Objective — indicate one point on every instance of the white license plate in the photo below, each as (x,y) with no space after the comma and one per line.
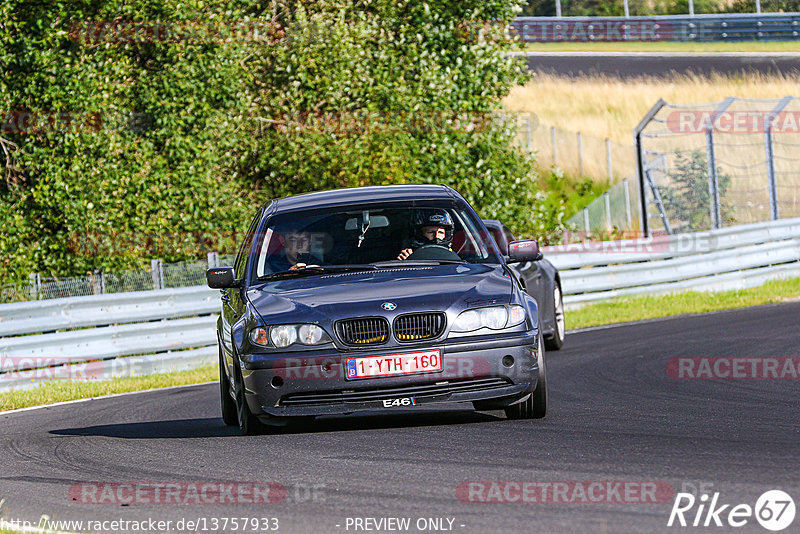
(394,364)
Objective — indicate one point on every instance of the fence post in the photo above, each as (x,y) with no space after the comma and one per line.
(607,202)
(528,139)
(157,270)
(713,186)
(98,282)
(640,163)
(770,150)
(628,216)
(213,260)
(608,160)
(713,183)
(35,280)
(586,221)
(555,146)
(580,155)
(773,188)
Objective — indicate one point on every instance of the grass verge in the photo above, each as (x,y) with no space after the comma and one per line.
(628,309)
(667,46)
(58,391)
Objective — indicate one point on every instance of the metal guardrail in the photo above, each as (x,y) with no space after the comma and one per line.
(596,254)
(76,312)
(112,335)
(730,258)
(685,28)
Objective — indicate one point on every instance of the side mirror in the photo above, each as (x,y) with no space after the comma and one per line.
(221,278)
(524,250)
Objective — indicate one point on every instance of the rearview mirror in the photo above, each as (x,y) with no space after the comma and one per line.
(221,278)
(357,223)
(524,250)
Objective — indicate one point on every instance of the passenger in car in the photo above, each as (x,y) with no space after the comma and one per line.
(295,253)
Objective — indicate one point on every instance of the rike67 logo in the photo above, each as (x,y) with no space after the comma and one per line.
(774,510)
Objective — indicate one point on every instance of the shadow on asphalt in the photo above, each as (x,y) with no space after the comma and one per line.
(213,427)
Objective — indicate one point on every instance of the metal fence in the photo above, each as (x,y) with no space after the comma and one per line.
(157,275)
(683,28)
(706,166)
(616,210)
(719,164)
(577,153)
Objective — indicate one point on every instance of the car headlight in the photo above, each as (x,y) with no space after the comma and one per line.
(493,317)
(284,335)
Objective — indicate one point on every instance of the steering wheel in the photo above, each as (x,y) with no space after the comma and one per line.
(433,252)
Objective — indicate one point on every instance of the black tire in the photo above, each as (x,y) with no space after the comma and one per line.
(535,406)
(249,425)
(226,402)
(557,340)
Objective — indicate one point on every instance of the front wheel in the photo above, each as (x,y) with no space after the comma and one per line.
(249,424)
(226,402)
(535,406)
(557,341)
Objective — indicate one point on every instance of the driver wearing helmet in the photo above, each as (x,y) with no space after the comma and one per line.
(431,227)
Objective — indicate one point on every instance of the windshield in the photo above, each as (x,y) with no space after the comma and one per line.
(359,237)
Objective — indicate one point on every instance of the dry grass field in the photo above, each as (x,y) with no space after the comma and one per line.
(611,107)
(602,107)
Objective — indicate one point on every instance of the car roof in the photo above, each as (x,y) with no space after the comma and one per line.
(377,193)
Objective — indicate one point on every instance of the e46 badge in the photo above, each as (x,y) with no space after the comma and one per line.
(405,401)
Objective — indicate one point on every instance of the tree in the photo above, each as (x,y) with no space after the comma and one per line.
(686,197)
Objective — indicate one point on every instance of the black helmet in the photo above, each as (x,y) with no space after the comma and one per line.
(432,217)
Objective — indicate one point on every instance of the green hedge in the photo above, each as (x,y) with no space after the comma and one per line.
(163,149)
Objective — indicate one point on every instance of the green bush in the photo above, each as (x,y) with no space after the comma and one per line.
(171,145)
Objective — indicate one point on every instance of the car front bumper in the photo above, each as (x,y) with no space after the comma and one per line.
(492,372)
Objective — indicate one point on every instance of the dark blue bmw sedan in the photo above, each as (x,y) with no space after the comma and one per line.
(375,298)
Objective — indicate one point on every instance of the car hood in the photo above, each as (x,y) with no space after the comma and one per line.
(325,298)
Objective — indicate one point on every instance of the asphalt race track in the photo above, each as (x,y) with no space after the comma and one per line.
(615,416)
(633,64)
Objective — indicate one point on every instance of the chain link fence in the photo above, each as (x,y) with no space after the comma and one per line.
(615,212)
(720,164)
(576,153)
(706,166)
(157,275)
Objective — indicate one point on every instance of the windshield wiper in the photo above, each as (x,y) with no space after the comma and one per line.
(311,270)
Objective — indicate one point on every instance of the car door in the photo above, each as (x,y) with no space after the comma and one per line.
(233,304)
